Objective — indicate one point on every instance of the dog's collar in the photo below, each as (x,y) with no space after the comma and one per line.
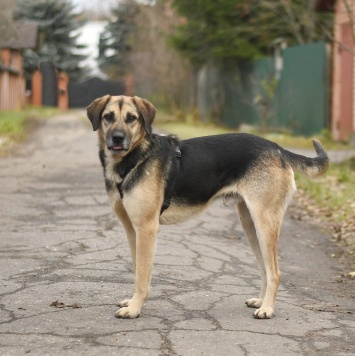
(131,161)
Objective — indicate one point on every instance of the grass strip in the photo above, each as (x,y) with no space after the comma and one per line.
(13,124)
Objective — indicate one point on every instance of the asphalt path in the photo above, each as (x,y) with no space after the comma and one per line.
(65,263)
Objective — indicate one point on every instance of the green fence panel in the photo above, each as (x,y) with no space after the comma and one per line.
(302,97)
(300,102)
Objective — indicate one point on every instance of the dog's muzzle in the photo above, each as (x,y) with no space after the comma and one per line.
(116,142)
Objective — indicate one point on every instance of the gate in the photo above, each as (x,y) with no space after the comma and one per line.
(49,84)
(302,97)
(81,94)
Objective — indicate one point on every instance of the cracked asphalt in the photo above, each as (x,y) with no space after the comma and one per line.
(65,264)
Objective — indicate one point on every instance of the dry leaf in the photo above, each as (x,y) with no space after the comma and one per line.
(57,304)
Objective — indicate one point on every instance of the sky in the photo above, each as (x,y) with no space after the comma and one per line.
(90,32)
(96,5)
(101,5)
(89,36)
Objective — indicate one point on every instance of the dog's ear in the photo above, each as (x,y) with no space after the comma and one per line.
(147,111)
(95,109)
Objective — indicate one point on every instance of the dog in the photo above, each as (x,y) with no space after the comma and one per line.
(154,179)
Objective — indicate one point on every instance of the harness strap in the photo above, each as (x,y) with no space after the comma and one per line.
(170,190)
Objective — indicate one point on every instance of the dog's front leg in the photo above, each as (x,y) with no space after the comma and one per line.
(146,233)
(130,232)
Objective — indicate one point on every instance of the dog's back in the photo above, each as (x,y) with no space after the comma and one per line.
(211,163)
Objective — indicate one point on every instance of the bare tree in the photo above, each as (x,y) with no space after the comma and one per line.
(300,19)
(159,71)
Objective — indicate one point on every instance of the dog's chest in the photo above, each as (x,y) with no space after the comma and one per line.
(111,172)
(123,178)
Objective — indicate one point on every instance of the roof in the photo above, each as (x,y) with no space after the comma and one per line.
(9,69)
(17,35)
(325,5)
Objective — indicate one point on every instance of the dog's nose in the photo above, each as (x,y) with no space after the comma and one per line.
(117,136)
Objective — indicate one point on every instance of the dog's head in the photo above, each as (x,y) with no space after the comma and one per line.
(122,121)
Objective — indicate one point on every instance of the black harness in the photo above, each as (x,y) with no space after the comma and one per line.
(169,191)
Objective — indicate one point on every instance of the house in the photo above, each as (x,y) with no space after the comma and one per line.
(14,37)
(343,86)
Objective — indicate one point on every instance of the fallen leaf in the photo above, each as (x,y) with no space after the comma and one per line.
(57,304)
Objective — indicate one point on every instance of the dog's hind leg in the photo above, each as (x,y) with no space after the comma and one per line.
(249,229)
(267,193)
(267,225)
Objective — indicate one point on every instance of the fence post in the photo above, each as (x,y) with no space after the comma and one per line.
(129,85)
(37,88)
(62,83)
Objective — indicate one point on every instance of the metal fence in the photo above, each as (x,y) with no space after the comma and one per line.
(49,84)
(296,98)
(81,94)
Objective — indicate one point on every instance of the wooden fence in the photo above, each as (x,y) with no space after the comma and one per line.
(12,89)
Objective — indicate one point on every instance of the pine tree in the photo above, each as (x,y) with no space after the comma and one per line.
(114,46)
(57,41)
(228,29)
(215,30)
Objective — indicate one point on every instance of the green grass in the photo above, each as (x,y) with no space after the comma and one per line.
(13,124)
(335,191)
(190,128)
(185,130)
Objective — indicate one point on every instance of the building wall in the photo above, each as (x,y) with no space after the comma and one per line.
(12,83)
(343,108)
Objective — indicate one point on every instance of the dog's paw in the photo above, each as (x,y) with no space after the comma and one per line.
(254,303)
(124,303)
(263,313)
(128,313)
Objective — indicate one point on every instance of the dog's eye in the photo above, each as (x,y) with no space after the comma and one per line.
(130,118)
(109,117)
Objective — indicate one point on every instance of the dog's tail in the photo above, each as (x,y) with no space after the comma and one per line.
(312,167)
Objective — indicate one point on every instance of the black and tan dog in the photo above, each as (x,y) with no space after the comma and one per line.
(152,180)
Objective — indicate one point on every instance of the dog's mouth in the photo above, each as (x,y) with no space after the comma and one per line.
(116,149)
